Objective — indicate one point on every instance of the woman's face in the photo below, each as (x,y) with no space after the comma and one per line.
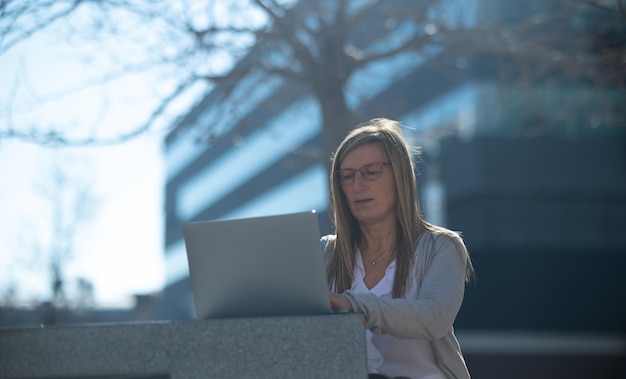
(370,201)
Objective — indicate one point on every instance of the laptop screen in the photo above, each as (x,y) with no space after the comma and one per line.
(257,267)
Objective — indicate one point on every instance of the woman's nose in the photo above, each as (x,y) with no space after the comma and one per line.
(358,180)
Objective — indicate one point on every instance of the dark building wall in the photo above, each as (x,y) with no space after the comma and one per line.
(544,221)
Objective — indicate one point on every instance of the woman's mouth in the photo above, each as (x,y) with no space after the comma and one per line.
(362,201)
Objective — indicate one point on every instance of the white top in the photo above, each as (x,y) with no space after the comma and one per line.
(389,355)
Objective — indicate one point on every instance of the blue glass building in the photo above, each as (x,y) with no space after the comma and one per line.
(534,177)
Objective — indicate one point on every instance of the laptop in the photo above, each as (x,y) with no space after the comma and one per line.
(257,267)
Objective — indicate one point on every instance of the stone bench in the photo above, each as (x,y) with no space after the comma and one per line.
(331,346)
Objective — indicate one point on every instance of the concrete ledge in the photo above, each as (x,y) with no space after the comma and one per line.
(330,346)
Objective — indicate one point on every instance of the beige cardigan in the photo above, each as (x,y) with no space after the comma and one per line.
(440,269)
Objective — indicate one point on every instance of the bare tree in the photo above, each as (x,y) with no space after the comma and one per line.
(320,44)
(19,20)
(568,41)
(72,203)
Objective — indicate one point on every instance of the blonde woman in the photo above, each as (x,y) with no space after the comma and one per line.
(405,275)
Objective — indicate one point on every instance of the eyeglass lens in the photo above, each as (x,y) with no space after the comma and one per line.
(369,172)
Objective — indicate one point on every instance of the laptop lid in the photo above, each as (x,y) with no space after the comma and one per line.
(257,267)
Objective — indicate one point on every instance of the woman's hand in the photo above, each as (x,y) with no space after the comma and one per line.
(339,303)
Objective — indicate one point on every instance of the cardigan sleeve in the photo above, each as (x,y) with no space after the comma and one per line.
(431,314)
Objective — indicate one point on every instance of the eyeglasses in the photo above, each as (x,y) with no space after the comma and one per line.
(369,172)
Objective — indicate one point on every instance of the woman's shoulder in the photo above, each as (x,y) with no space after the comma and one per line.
(328,242)
(328,238)
(328,247)
(438,235)
(445,242)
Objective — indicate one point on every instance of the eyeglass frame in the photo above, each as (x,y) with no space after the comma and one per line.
(360,169)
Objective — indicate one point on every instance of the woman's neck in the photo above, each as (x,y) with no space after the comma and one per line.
(377,239)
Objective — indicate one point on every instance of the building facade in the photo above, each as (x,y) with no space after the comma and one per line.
(539,194)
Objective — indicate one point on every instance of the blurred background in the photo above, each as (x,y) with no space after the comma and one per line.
(120,121)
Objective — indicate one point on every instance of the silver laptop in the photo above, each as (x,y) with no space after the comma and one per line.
(257,267)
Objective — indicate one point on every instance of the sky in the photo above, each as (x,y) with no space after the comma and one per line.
(120,249)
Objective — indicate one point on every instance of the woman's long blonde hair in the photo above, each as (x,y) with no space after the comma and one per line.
(410,223)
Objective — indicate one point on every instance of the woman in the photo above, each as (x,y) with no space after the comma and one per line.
(406,276)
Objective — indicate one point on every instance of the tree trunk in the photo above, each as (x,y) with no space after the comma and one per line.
(337,119)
